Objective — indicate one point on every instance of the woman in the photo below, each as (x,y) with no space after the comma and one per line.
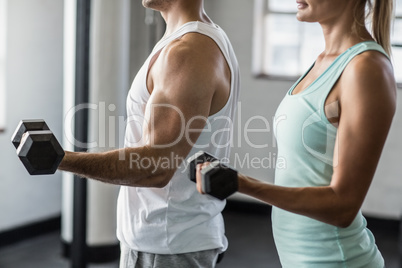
(331,128)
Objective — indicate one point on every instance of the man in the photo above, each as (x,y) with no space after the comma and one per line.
(182,100)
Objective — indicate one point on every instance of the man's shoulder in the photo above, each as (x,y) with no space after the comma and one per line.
(192,56)
(192,44)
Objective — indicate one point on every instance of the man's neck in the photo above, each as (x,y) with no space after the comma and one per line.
(179,14)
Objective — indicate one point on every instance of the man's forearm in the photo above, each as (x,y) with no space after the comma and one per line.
(120,167)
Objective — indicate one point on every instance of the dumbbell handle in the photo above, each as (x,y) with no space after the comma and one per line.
(198,158)
(27,125)
(218,180)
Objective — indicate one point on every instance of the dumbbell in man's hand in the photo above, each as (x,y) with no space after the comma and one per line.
(217,179)
(37,147)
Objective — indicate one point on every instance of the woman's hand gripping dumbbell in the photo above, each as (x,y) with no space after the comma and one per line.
(37,147)
(217,179)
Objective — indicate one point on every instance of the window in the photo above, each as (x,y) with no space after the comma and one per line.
(396,41)
(3,20)
(285,48)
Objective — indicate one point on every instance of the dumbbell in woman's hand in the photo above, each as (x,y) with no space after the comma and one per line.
(37,147)
(217,179)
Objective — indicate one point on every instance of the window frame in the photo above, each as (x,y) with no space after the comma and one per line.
(397,45)
(3,62)
(261,11)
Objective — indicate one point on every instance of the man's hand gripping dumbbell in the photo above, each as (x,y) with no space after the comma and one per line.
(217,179)
(37,147)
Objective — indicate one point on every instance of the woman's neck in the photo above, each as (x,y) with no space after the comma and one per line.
(339,35)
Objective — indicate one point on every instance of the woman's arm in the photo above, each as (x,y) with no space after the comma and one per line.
(367,99)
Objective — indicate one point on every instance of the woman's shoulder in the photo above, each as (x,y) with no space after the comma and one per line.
(368,83)
(369,69)
(370,63)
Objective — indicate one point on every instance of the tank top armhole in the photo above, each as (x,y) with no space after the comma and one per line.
(211,31)
(217,35)
(369,46)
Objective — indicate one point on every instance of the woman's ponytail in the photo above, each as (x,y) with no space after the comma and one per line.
(380,12)
(381,23)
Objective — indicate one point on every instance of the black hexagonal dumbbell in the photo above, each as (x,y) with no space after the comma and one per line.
(218,180)
(24,126)
(37,147)
(198,158)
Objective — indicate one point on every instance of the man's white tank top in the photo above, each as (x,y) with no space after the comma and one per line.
(177,219)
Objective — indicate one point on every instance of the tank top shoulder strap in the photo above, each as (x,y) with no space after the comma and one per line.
(211,30)
(325,83)
(214,32)
(192,26)
(332,74)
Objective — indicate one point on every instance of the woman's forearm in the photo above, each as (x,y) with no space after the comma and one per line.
(320,203)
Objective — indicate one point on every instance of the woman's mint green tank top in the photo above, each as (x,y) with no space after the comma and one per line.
(306,141)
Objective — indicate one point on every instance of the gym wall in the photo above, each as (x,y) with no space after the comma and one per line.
(34,89)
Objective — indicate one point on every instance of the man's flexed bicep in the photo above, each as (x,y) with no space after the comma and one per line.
(189,81)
